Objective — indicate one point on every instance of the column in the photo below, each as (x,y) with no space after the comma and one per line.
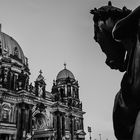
(1,77)
(23,122)
(6,137)
(71,91)
(26,120)
(63,124)
(18,123)
(71,126)
(0,109)
(21,131)
(82,124)
(66,94)
(29,128)
(9,78)
(68,126)
(59,136)
(15,114)
(10,137)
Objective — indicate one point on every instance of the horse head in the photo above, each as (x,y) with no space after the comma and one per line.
(105,19)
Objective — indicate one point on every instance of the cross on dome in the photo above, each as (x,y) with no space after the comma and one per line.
(40,72)
(65,65)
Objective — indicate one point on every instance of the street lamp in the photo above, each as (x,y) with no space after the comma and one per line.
(89,130)
(100,136)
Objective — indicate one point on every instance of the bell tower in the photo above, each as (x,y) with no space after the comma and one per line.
(66,89)
(68,108)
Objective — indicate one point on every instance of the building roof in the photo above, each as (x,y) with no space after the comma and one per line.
(10,48)
(65,73)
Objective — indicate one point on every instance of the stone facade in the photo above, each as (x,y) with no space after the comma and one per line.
(28,111)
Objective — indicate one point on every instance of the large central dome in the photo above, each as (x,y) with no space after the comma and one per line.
(11,49)
(65,73)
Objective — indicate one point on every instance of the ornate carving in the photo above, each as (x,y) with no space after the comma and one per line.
(23,81)
(40,86)
(40,90)
(31,87)
(6,110)
(16,52)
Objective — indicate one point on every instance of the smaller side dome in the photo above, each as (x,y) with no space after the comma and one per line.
(64,74)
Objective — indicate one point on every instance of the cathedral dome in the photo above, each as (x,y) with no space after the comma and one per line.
(11,49)
(65,73)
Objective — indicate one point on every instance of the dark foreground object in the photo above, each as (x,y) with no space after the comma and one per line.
(118,33)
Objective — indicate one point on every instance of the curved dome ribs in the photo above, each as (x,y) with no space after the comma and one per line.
(11,48)
(14,71)
(65,73)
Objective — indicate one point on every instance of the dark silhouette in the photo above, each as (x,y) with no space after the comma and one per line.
(118,33)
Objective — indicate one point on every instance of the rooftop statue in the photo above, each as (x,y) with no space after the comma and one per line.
(117,31)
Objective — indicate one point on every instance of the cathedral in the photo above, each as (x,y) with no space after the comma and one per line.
(27,110)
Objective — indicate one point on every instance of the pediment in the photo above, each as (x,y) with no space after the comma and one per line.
(80,132)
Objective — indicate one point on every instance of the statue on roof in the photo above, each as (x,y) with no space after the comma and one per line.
(23,80)
(40,86)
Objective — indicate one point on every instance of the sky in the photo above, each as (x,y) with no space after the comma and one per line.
(54,32)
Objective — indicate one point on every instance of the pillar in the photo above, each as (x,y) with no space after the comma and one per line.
(82,124)
(71,126)
(21,122)
(63,124)
(29,128)
(18,137)
(0,109)
(59,125)
(66,91)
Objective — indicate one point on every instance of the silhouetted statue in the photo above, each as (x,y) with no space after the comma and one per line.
(118,33)
(31,87)
(5,77)
(22,81)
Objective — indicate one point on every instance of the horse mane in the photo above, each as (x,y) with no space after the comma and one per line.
(127,26)
(103,35)
(107,11)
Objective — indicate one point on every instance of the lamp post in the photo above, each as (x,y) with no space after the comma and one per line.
(100,136)
(89,130)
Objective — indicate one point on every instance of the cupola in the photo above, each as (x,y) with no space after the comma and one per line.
(66,89)
(64,74)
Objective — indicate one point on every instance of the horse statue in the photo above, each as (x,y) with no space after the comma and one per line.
(117,31)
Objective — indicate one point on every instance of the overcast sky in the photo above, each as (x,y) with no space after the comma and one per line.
(52,32)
